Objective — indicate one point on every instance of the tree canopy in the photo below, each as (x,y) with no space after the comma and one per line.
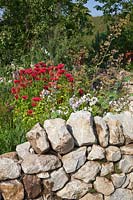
(31,25)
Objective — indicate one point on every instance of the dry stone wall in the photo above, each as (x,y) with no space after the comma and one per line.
(83,158)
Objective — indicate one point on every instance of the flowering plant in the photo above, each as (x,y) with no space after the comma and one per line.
(40,91)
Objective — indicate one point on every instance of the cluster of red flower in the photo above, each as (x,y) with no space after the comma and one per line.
(47,77)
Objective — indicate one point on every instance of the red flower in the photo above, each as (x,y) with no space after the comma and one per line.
(29,112)
(71,79)
(16,81)
(33,104)
(68,75)
(36,99)
(81,92)
(16,96)
(15,90)
(25,97)
(54,79)
(60,66)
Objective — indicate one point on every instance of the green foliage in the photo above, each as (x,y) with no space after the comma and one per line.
(34,26)
(114,7)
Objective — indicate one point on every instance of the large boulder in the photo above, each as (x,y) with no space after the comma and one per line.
(126,120)
(58,135)
(104,186)
(74,160)
(34,164)
(75,189)
(80,124)
(12,190)
(38,139)
(88,172)
(57,179)
(102,131)
(9,169)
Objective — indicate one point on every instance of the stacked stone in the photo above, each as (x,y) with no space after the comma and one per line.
(84,158)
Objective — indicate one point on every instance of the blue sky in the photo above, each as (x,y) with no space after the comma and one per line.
(90,5)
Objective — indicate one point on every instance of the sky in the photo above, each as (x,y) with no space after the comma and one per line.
(90,5)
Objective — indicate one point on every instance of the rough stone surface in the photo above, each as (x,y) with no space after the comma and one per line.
(121,194)
(118,179)
(102,131)
(38,139)
(74,160)
(113,153)
(107,168)
(12,155)
(23,150)
(90,196)
(80,124)
(88,172)
(127,125)
(32,185)
(43,175)
(103,185)
(43,163)
(115,130)
(9,169)
(97,153)
(126,164)
(75,189)
(127,150)
(130,176)
(12,190)
(58,135)
(57,180)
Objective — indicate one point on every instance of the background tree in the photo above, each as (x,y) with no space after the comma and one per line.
(52,28)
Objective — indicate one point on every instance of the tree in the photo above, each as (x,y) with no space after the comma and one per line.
(115,7)
(28,26)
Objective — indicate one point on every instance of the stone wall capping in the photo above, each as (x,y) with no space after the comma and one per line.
(83,158)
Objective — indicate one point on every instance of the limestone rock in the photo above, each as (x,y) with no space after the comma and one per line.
(127,149)
(90,196)
(107,168)
(80,124)
(32,185)
(9,169)
(40,163)
(23,150)
(57,180)
(126,120)
(130,186)
(75,189)
(115,130)
(102,131)
(43,175)
(88,171)
(121,194)
(118,179)
(89,149)
(74,160)
(12,190)
(126,164)
(113,153)
(38,139)
(103,185)
(11,155)
(58,135)
(97,153)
